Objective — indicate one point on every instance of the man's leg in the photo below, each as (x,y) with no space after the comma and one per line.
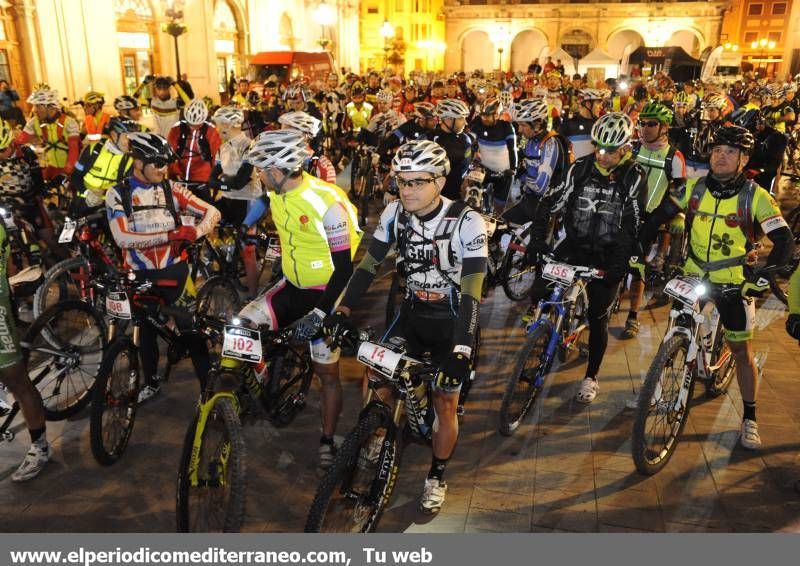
(445,435)
(747,376)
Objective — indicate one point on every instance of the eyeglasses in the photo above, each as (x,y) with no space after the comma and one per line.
(650,124)
(158,163)
(414,184)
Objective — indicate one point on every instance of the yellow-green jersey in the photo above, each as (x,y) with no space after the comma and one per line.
(794,292)
(10,352)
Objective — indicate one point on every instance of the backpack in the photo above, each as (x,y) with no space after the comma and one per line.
(442,237)
(202,142)
(566,158)
(127,199)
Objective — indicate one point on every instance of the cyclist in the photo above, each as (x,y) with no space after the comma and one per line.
(666,170)
(577,129)
(14,376)
(599,205)
(148,216)
(711,118)
(383,121)
(318,165)
(297,99)
(101,166)
(127,107)
(770,145)
(236,182)
(94,124)
(420,126)
(497,149)
(545,156)
(357,112)
(459,145)
(441,308)
(195,142)
(319,234)
(165,108)
(53,129)
(723,212)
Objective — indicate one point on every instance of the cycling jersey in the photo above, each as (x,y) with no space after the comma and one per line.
(10,352)
(101,166)
(460,149)
(497,145)
(196,148)
(322,168)
(654,159)
(21,177)
(578,130)
(143,237)
(794,292)
(541,157)
(167,112)
(767,157)
(61,141)
(716,236)
(358,117)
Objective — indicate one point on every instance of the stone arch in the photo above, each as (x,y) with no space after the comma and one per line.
(477,50)
(577,41)
(229,39)
(690,39)
(286,31)
(620,38)
(525,47)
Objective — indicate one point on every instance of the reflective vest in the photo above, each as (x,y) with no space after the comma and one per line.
(658,165)
(298,215)
(94,126)
(359,117)
(56,148)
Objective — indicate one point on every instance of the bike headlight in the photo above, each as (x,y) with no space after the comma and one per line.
(236,321)
(3,212)
(700,290)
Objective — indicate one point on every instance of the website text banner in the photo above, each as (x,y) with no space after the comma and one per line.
(396,550)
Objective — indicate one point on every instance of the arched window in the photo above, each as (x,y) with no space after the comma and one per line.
(227,42)
(136,27)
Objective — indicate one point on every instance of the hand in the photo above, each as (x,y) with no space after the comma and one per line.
(455,369)
(756,286)
(793,326)
(309,326)
(148,79)
(185,233)
(535,250)
(337,326)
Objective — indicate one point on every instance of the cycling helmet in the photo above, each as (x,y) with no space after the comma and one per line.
(421,155)
(44,97)
(591,94)
(490,107)
(539,93)
(481,86)
(94,97)
(6,134)
(301,121)
(120,125)
(357,89)
(195,112)
(506,99)
(612,130)
(719,101)
(163,82)
(640,93)
(295,90)
(229,116)
(749,119)
(125,102)
(531,110)
(776,90)
(658,111)
(150,148)
(424,110)
(734,136)
(384,96)
(282,149)
(451,108)
(681,99)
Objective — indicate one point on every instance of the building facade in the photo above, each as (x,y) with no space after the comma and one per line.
(111,45)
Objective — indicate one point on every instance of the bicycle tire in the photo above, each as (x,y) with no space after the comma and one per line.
(120,396)
(62,395)
(223,417)
(722,378)
(218,298)
(350,466)
(510,421)
(291,377)
(777,289)
(513,267)
(649,461)
(52,279)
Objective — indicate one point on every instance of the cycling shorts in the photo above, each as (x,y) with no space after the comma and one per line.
(736,313)
(284,304)
(10,352)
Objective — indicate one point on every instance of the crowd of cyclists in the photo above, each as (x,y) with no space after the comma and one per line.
(602,173)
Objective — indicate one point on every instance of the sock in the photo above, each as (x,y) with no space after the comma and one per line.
(437,468)
(749,410)
(592,377)
(37,436)
(326,440)
(633,315)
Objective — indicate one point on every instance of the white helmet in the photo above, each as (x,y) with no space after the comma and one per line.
(451,108)
(283,149)
(539,93)
(301,121)
(195,112)
(506,99)
(592,94)
(44,97)
(384,96)
(715,100)
(421,155)
(531,110)
(229,116)
(612,130)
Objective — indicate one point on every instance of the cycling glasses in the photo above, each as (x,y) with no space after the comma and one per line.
(650,124)
(414,184)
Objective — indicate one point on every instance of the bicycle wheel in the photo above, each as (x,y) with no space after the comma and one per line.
(521,390)
(290,381)
(722,377)
(517,275)
(218,298)
(64,349)
(658,423)
(348,499)
(114,401)
(214,500)
(393,300)
(61,282)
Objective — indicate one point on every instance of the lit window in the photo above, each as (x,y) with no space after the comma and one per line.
(140,8)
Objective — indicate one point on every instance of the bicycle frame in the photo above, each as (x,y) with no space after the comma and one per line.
(203,412)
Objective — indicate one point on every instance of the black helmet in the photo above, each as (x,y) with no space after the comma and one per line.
(163,82)
(150,148)
(490,107)
(749,119)
(640,93)
(120,125)
(734,136)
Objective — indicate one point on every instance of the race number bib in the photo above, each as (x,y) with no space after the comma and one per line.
(559,272)
(378,357)
(118,305)
(67,232)
(273,249)
(476,175)
(242,344)
(687,291)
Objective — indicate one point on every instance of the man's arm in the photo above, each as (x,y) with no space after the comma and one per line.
(472,234)
(186,201)
(337,225)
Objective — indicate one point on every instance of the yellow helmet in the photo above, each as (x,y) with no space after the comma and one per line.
(6,134)
(93,97)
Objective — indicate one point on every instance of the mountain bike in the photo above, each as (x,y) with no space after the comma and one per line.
(507,263)
(555,330)
(475,194)
(211,477)
(693,349)
(365,178)
(115,396)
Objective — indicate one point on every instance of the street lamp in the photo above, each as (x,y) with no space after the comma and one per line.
(173,9)
(499,37)
(324,16)
(387,32)
(765,45)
